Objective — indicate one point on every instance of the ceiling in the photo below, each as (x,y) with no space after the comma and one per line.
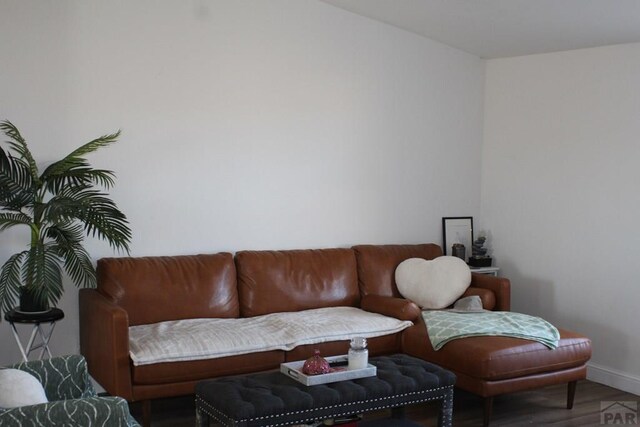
(502,28)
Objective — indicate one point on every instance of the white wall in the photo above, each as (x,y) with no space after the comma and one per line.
(560,194)
(246,124)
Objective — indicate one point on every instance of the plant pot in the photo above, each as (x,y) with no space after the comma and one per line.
(29,303)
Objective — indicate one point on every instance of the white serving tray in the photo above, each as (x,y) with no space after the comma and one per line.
(294,370)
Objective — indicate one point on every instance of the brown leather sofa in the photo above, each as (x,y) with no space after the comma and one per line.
(486,366)
(135,291)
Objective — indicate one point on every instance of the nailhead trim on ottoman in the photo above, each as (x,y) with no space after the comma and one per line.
(273,399)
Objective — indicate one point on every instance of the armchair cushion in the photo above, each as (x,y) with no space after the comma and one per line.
(72,398)
(19,388)
(88,411)
(63,377)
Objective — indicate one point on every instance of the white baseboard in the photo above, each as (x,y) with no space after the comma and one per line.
(613,378)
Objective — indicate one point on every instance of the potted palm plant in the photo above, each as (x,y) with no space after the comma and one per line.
(59,207)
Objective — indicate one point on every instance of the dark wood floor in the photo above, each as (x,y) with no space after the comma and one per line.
(543,407)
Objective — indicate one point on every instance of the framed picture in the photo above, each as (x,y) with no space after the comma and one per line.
(458,229)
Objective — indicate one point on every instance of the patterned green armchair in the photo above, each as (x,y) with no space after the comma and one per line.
(72,398)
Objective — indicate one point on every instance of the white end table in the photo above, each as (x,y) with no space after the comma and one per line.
(492,271)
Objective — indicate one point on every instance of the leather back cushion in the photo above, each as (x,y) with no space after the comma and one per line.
(154,289)
(377,265)
(280,281)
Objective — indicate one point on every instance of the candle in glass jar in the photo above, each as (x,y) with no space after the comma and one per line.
(358,353)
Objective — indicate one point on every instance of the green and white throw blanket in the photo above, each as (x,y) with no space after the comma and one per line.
(444,326)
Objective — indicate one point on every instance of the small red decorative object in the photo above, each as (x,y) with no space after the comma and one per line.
(316,365)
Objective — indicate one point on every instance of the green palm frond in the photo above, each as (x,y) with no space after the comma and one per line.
(78,176)
(75,158)
(79,266)
(65,234)
(10,280)
(77,263)
(41,273)
(19,145)
(8,220)
(92,146)
(99,214)
(15,182)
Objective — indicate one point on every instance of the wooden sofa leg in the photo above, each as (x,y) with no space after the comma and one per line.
(146,413)
(488,409)
(571,393)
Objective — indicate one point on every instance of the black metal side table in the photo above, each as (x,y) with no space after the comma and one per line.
(36,319)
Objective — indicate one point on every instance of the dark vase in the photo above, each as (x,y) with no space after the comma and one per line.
(458,250)
(29,302)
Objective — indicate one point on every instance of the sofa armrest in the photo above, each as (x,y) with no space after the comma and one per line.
(415,340)
(88,411)
(104,341)
(63,377)
(399,308)
(500,286)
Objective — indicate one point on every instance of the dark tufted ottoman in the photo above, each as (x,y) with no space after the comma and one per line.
(273,399)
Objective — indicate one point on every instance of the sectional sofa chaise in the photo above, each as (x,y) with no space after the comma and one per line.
(143,299)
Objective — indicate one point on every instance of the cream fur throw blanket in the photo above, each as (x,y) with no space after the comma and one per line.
(194,339)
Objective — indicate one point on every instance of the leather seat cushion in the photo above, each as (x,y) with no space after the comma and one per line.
(296,280)
(162,373)
(498,358)
(155,289)
(377,265)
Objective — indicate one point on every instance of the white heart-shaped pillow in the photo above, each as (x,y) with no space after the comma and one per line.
(433,284)
(20,388)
